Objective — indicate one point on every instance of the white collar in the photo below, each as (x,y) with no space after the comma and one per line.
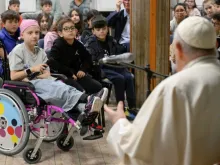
(125,13)
(199,60)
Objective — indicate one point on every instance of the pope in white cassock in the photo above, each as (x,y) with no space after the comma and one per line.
(179,124)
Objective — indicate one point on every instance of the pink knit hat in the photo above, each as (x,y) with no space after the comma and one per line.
(26,23)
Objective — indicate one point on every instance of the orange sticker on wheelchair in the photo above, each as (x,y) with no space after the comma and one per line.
(2,109)
(14,139)
(10,130)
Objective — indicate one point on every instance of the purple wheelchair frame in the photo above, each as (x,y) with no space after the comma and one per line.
(65,141)
(46,113)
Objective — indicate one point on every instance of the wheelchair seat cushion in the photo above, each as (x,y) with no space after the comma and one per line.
(20,84)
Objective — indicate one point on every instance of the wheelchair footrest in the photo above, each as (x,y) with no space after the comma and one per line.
(97,131)
(88,120)
(93,137)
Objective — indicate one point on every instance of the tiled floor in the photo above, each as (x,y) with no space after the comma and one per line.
(83,153)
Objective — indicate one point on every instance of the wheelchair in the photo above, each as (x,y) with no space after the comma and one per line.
(23,112)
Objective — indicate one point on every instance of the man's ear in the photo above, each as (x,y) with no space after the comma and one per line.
(179,50)
(93,31)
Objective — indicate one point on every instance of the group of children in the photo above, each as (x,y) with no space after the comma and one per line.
(189,8)
(71,45)
(211,9)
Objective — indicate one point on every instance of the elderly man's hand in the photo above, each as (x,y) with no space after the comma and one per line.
(114,116)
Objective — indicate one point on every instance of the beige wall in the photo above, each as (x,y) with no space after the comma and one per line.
(2,6)
(198,2)
(65,5)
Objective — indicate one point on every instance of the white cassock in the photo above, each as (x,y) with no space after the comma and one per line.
(179,124)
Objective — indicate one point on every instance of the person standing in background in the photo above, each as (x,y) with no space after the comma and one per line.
(180,13)
(217,5)
(56,9)
(209,8)
(119,20)
(15,6)
(192,9)
(82,5)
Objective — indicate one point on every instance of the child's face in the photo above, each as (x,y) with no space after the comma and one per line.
(126,4)
(90,22)
(47,9)
(69,31)
(75,17)
(209,9)
(31,35)
(217,8)
(101,33)
(190,3)
(11,25)
(216,24)
(44,23)
(179,13)
(14,7)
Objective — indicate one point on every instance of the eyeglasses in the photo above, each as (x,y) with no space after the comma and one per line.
(71,28)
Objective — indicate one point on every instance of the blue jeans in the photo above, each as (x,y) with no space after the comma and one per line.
(123,82)
(127,46)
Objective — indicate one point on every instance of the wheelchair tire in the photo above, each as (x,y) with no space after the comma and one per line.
(14,123)
(54,130)
(27,156)
(61,139)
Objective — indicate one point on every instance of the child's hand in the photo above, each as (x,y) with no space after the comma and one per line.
(74,77)
(39,68)
(118,5)
(80,74)
(2,53)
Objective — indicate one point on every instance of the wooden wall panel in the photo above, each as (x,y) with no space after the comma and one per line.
(162,37)
(140,43)
(149,39)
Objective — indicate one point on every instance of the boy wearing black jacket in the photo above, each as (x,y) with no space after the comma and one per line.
(100,45)
(69,57)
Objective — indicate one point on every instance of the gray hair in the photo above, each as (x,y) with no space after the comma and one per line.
(193,51)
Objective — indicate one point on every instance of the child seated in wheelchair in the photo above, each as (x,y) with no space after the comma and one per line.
(100,45)
(26,59)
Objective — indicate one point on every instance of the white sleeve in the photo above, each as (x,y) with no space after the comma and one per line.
(197,12)
(119,128)
(154,130)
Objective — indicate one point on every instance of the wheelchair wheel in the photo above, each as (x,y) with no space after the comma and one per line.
(55,129)
(27,156)
(14,123)
(60,143)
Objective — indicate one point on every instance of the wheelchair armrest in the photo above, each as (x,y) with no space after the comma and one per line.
(20,84)
(59,76)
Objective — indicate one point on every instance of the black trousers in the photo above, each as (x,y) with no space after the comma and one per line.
(87,83)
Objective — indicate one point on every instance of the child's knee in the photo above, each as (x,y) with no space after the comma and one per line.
(129,77)
(119,80)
